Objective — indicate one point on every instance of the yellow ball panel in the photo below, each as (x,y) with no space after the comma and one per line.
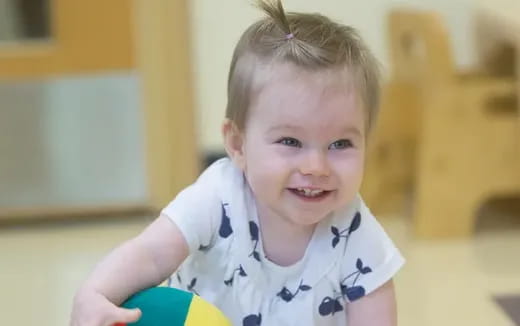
(202,313)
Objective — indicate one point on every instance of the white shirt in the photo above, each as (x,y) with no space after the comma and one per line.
(348,256)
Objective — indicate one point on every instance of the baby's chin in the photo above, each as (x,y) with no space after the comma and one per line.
(312,219)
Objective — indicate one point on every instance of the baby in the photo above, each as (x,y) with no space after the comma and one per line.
(277,233)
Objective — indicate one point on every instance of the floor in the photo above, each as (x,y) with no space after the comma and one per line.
(449,282)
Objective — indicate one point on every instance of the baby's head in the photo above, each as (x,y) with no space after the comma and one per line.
(303,93)
(310,42)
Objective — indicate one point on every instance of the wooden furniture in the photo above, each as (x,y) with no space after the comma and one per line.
(498,38)
(391,150)
(465,133)
(151,37)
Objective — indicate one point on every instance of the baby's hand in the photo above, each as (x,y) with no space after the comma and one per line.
(93,309)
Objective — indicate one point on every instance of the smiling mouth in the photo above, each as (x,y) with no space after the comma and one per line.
(310,193)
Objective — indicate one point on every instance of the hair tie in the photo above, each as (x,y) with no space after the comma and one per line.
(289,36)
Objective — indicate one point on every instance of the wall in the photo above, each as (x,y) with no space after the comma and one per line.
(73,140)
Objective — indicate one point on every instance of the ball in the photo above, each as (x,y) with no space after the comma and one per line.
(164,306)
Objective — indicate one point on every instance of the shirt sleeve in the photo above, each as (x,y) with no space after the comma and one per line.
(371,258)
(197,208)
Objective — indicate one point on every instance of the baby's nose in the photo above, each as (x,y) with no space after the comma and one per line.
(315,163)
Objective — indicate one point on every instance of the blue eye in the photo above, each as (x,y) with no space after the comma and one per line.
(288,141)
(341,144)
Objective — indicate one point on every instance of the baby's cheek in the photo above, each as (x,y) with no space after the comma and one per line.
(356,176)
(350,166)
(269,167)
(259,178)
(352,176)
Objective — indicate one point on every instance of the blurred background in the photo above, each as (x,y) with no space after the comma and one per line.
(109,108)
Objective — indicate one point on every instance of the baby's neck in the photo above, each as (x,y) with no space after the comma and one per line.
(284,243)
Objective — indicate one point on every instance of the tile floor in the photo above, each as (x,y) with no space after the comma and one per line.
(448,282)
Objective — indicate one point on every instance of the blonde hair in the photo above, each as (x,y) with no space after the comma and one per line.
(310,41)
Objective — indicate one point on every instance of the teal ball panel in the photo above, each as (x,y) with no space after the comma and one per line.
(160,306)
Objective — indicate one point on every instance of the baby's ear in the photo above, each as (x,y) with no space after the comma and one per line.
(234,142)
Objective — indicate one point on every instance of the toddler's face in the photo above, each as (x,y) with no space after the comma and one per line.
(304,144)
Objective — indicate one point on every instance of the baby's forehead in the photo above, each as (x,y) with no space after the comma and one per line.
(292,83)
(286,72)
(294,97)
(276,80)
(285,91)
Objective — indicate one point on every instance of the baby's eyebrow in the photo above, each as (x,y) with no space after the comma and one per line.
(289,127)
(284,127)
(352,130)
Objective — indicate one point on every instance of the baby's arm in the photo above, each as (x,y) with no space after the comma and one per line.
(375,309)
(139,263)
